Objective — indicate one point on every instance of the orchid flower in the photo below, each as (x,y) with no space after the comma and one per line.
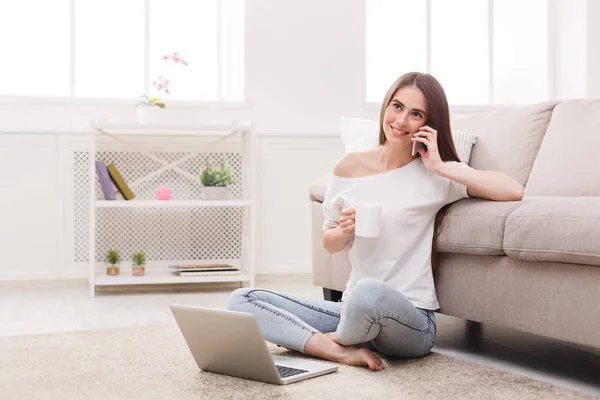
(177,59)
(161,84)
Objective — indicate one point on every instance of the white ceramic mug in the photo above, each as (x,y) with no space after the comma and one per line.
(368,220)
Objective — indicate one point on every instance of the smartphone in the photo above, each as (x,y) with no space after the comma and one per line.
(418,145)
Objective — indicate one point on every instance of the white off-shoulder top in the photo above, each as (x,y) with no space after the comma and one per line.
(410,196)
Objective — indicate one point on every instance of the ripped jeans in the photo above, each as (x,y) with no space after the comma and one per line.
(375,313)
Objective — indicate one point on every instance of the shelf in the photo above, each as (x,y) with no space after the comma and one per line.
(170,129)
(161,276)
(170,203)
(146,140)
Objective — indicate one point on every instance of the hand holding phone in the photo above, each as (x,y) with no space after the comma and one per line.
(418,145)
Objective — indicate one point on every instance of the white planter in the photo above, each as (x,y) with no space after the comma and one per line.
(148,114)
(214,193)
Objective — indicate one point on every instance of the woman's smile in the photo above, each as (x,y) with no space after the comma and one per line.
(398,132)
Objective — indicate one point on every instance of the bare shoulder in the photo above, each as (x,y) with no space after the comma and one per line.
(354,164)
(344,166)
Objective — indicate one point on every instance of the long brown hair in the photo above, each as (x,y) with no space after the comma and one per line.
(439,119)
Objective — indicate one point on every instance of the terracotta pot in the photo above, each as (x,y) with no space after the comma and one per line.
(138,270)
(112,270)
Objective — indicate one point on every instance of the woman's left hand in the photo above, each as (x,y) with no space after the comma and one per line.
(431,158)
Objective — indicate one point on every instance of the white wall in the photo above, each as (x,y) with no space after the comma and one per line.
(569,48)
(305,64)
(304,69)
(593,49)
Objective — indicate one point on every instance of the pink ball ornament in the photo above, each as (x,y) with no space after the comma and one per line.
(163,193)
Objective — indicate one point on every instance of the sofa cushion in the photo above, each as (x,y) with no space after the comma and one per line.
(567,163)
(559,229)
(319,187)
(475,226)
(507,140)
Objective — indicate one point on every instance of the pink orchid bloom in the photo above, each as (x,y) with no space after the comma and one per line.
(161,84)
(177,59)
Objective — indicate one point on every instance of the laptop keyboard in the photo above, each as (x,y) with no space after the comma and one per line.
(286,372)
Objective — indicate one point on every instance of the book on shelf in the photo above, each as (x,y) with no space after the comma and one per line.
(199,269)
(201,266)
(105,182)
(116,177)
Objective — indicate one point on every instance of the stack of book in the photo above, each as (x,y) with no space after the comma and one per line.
(204,269)
(109,173)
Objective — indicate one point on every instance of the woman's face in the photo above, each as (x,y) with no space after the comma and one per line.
(405,114)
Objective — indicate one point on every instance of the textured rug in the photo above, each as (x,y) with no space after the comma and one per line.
(155,363)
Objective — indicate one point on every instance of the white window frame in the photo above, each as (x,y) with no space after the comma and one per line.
(466,108)
(73,100)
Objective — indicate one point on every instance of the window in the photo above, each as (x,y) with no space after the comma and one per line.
(482,52)
(114,48)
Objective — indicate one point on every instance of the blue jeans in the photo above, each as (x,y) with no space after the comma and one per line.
(375,313)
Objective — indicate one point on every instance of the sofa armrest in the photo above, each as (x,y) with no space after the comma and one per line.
(319,187)
(320,257)
(330,271)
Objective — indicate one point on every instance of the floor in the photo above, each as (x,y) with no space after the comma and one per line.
(47,307)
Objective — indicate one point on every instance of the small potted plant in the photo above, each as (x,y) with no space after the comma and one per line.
(139,262)
(214,181)
(147,109)
(112,259)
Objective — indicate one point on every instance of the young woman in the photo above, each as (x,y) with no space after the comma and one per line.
(389,301)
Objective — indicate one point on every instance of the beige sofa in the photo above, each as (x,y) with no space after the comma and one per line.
(532,265)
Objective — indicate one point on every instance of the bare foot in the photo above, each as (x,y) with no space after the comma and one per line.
(331,335)
(358,355)
(322,345)
(352,355)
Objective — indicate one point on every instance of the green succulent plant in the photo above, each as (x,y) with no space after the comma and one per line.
(112,257)
(216,176)
(138,258)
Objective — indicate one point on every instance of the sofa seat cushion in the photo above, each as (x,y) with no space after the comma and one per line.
(319,187)
(475,226)
(558,229)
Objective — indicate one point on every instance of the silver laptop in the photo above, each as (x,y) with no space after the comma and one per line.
(230,343)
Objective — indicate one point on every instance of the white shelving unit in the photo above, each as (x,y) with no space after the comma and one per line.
(171,203)
(157,271)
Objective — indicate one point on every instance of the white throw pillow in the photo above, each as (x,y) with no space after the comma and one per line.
(464,142)
(359,134)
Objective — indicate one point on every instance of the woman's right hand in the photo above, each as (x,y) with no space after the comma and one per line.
(348,220)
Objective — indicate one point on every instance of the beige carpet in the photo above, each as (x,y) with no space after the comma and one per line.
(155,363)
